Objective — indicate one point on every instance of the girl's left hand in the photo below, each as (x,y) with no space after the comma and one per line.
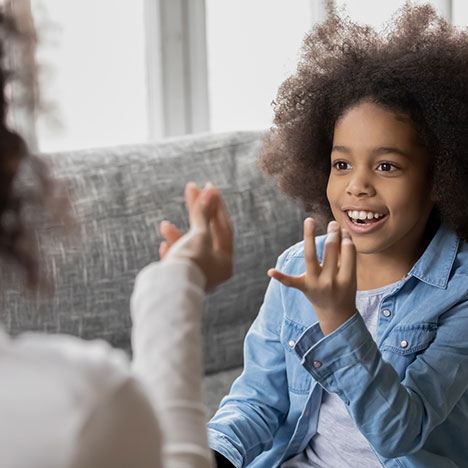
(330,286)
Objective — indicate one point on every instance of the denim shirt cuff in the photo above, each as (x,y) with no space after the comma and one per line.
(220,443)
(346,346)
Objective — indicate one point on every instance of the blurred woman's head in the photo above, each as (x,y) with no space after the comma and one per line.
(27,192)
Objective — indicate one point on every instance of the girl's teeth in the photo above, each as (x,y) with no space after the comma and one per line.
(364,215)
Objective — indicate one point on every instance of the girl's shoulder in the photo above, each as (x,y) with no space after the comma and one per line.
(295,253)
(460,264)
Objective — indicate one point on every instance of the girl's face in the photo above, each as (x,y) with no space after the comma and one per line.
(379,187)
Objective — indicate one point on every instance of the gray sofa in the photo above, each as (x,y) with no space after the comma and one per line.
(120,195)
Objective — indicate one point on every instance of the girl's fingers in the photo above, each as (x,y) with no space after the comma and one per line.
(310,253)
(163,249)
(348,257)
(170,233)
(290,281)
(332,249)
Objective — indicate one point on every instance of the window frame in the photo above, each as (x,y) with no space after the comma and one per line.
(177,74)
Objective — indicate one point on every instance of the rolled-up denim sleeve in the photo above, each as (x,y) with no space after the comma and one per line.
(396,416)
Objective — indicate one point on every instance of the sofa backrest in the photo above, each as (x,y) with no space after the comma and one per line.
(120,195)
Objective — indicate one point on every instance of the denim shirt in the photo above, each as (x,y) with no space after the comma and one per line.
(407,392)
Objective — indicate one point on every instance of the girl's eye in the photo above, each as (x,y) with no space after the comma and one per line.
(341,165)
(387,167)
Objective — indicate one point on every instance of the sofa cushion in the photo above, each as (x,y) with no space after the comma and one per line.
(120,195)
(215,387)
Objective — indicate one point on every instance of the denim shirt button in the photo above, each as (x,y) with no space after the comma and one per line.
(317,364)
(292,343)
(386,313)
(404,344)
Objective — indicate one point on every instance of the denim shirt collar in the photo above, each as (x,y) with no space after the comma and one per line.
(435,264)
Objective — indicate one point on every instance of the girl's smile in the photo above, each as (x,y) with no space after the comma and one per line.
(379,184)
(361,221)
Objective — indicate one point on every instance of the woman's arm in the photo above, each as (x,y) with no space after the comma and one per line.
(166,306)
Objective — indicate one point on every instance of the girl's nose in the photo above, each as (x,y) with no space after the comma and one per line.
(360,186)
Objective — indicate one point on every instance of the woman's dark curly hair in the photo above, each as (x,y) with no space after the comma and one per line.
(27,191)
(417,66)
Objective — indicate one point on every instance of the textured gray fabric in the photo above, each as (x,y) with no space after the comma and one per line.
(120,196)
(215,386)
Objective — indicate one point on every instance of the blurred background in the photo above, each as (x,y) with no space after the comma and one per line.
(128,71)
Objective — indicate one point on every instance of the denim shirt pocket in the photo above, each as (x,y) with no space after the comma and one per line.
(405,342)
(299,380)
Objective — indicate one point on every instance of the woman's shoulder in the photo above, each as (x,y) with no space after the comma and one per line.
(51,384)
(92,366)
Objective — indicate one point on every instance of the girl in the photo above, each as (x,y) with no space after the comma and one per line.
(359,355)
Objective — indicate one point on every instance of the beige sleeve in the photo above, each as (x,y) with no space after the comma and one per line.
(166,307)
(121,432)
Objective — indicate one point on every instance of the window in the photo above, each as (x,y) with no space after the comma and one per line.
(92,71)
(252,47)
(125,71)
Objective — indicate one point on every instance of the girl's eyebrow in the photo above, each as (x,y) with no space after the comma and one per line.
(341,149)
(390,149)
(380,150)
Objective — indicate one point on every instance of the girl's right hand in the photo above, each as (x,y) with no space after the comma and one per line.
(209,241)
(330,286)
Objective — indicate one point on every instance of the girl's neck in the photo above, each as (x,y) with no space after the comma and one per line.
(379,269)
(374,272)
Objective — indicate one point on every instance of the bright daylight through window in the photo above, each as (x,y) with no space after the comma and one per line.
(94,63)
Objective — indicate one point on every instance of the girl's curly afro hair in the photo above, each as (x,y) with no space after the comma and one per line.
(418,66)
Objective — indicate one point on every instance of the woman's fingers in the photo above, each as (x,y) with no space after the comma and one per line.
(332,248)
(170,233)
(203,210)
(222,229)
(348,257)
(191,194)
(163,249)
(310,253)
(290,281)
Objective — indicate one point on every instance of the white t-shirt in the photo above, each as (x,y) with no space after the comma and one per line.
(68,403)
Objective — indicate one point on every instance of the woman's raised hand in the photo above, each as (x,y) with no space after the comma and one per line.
(209,241)
(330,286)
